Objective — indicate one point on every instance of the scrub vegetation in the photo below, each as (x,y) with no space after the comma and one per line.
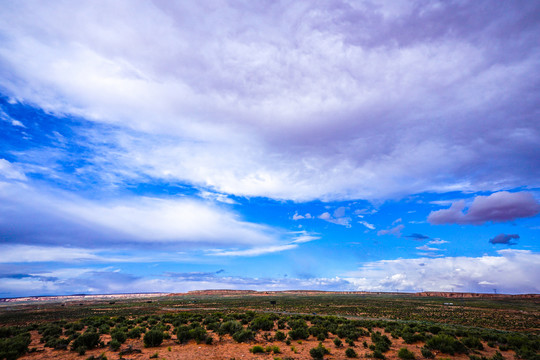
(167,327)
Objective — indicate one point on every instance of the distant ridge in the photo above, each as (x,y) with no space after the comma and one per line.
(229,292)
(443,294)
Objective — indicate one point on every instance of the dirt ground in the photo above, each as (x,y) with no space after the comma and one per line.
(227,348)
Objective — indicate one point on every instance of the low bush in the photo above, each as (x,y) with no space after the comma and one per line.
(262,322)
(119,335)
(319,351)
(88,340)
(114,345)
(14,344)
(350,353)
(427,353)
(257,349)
(153,338)
(446,344)
(243,336)
(280,336)
(405,354)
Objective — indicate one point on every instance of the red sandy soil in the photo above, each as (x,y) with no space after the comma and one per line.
(227,348)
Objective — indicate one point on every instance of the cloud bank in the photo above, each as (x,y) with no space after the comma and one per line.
(242,97)
(512,271)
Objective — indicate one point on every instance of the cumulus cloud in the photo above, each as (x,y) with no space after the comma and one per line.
(504,239)
(338,217)
(498,207)
(511,271)
(396,231)
(242,98)
(297,216)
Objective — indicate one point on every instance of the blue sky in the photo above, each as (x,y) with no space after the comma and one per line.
(271,145)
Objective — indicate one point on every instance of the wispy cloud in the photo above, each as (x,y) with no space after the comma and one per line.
(396,231)
(58,215)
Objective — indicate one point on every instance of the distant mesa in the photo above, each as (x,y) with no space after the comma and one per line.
(227,292)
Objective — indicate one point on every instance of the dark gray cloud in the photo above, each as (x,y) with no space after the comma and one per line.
(504,239)
(498,207)
(416,236)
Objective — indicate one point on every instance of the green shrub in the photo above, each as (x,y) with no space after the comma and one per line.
(338,342)
(350,353)
(256,349)
(377,354)
(446,344)
(51,331)
(262,322)
(427,353)
(498,356)
(280,336)
(405,354)
(381,342)
(299,333)
(119,335)
(182,333)
(115,345)
(100,357)
(319,351)
(14,344)
(472,343)
(198,334)
(243,335)
(230,327)
(135,333)
(153,338)
(88,340)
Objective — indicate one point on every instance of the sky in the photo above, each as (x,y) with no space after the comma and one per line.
(169,146)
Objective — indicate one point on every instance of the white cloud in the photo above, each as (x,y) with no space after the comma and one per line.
(436,242)
(10,171)
(337,218)
(30,253)
(142,219)
(253,251)
(511,271)
(368,225)
(17,123)
(303,237)
(242,99)
(297,216)
(427,248)
(217,197)
(396,231)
